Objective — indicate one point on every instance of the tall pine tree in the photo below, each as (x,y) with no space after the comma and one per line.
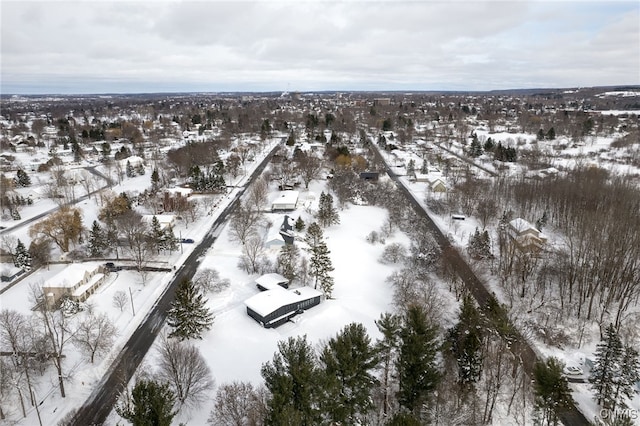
(465,340)
(292,380)
(348,361)
(327,213)
(287,261)
(604,372)
(98,241)
(628,377)
(551,389)
(189,316)
(417,371)
(320,262)
(387,348)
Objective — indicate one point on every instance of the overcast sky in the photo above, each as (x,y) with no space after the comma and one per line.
(179,46)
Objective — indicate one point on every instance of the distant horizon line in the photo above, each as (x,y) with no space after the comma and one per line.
(394,91)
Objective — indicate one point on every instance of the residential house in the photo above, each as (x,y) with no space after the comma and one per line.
(77,281)
(276,306)
(287,201)
(526,237)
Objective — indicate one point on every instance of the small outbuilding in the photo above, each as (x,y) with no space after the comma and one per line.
(274,307)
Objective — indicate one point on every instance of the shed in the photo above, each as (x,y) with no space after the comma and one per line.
(274,307)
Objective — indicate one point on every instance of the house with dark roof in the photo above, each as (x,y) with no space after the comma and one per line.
(276,306)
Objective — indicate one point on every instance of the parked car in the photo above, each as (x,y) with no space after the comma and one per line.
(187,241)
(573,371)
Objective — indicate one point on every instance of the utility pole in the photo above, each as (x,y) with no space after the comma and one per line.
(133,309)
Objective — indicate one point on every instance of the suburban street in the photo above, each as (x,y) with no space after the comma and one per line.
(100,403)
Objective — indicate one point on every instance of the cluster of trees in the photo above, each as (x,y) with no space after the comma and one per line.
(348,380)
(615,372)
(182,378)
(132,171)
(39,341)
(208,181)
(327,213)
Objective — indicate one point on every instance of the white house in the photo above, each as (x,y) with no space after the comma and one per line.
(77,281)
(286,201)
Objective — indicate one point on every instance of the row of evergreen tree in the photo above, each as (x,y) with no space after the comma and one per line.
(209,181)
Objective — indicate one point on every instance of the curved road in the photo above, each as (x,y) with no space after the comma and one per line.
(499,318)
(102,400)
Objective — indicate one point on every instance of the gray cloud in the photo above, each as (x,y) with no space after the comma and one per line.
(313,45)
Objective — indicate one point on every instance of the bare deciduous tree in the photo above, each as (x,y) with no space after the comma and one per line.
(94,335)
(56,330)
(120,299)
(183,367)
(258,194)
(309,167)
(243,223)
(239,404)
(209,281)
(252,253)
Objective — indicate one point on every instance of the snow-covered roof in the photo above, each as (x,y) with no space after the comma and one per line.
(268,301)
(271,281)
(287,197)
(71,275)
(520,225)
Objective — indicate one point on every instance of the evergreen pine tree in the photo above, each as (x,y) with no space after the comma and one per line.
(348,361)
(552,393)
(22,257)
(22,178)
(604,372)
(327,213)
(292,380)
(411,168)
(424,169)
(157,234)
(479,246)
(628,377)
(97,240)
(387,348)
(466,339)
(551,134)
(140,169)
(320,262)
(189,316)
(417,371)
(15,214)
(299,225)
(169,240)
(150,404)
(155,180)
(129,170)
(287,261)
